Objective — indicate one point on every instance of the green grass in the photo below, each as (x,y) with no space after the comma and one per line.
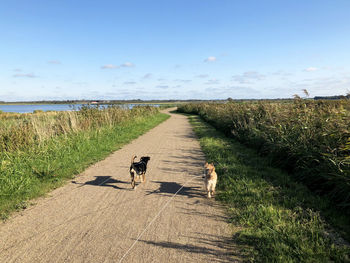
(30,173)
(279,219)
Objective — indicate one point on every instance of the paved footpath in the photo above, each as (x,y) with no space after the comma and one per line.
(99,218)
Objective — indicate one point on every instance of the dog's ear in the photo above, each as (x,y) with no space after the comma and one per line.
(206,164)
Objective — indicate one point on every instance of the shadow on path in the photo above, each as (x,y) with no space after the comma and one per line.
(104,181)
(171,188)
(212,248)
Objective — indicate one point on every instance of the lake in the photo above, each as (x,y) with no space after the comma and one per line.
(27,108)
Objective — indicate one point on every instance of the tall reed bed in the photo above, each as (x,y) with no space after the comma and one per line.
(18,131)
(311,139)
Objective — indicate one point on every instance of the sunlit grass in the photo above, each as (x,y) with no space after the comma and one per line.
(280,219)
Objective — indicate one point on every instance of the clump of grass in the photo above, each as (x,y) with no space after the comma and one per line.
(279,219)
(56,146)
(310,139)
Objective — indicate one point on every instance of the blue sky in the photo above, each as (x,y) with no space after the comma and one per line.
(205,49)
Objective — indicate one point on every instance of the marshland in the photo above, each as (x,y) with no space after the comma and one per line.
(283,165)
(87,85)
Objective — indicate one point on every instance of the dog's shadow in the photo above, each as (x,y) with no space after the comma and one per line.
(106,181)
(171,188)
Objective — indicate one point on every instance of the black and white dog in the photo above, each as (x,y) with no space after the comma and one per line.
(138,169)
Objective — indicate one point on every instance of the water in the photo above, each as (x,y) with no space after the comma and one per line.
(27,108)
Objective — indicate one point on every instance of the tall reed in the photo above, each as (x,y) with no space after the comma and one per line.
(18,131)
(311,139)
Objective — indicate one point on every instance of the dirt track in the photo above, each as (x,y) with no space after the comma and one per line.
(98,218)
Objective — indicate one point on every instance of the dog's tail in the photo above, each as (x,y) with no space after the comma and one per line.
(133,158)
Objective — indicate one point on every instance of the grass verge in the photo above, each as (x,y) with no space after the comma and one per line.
(33,172)
(280,219)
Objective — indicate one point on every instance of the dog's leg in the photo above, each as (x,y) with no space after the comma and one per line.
(214,186)
(212,190)
(207,186)
(132,180)
(143,177)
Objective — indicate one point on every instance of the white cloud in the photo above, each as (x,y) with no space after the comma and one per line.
(247,77)
(210,59)
(28,75)
(17,70)
(202,76)
(310,69)
(127,65)
(124,65)
(81,83)
(212,82)
(129,82)
(235,92)
(318,86)
(147,76)
(281,73)
(109,66)
(183,80)
(54,62)
(162,87)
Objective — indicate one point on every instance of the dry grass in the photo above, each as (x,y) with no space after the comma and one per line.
(18,131)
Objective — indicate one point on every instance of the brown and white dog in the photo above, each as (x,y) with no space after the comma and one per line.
(138,169)
(210,179)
